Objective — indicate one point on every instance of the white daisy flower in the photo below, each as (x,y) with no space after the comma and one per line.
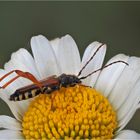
(79,111)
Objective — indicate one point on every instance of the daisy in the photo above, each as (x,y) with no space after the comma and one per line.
(78,112)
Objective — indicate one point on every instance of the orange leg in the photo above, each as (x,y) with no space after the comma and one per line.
(3,77)
(26,75)
(8,83)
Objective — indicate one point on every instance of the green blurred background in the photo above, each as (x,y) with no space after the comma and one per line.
(115,23)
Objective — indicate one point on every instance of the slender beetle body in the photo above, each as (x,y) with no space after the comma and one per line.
(49,85)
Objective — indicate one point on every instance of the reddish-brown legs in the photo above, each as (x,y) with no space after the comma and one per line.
(20,73)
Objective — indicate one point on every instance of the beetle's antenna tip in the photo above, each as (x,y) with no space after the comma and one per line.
(124,62)
(119,61)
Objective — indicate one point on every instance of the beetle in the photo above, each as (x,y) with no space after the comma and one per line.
(49,84)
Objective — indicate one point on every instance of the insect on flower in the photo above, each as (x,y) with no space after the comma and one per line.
(49,84)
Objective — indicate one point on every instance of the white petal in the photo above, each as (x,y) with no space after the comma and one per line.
(9,134)
(4,95)
(126,119)
(23,57)
(16,108)
(20,60)
(130,105)
(138,106)
(55,45)
(67,55)
(125,83)
(109,76)
(128,134)
(13,86)
(9,123)
(44,56)
(94,64)
(11,105)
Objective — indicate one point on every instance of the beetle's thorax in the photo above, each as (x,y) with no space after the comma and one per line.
(68,80)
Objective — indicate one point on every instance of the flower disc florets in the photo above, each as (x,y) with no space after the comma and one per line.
(77,112)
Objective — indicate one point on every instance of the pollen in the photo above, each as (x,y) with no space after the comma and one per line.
(77,112)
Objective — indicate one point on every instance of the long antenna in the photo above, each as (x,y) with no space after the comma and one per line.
(119,61)
(90,59)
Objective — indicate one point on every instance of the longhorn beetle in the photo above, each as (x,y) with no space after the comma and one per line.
(49,84)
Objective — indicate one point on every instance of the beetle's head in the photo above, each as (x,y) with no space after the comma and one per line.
(69,80)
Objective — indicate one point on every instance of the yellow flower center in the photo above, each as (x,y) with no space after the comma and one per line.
(77,112)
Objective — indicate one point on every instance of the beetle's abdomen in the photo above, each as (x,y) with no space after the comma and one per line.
(24,95)
(18,96)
